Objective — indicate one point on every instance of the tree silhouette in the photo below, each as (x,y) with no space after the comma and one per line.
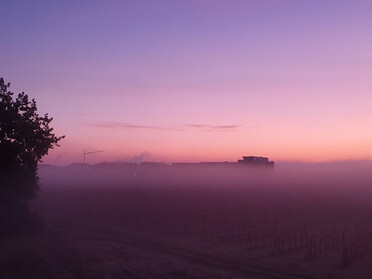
(25,137)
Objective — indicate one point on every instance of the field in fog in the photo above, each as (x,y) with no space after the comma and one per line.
(115,221)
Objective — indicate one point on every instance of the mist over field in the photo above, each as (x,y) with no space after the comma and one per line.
(293,221)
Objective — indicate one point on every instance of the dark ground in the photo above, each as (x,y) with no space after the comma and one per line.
(182,226)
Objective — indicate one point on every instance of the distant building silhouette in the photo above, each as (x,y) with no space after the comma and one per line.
(256,161)
(209,164)
(247,161)
(153,164)
(253,161)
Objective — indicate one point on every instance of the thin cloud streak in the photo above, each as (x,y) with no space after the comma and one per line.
(131,126)
(212,127)
(89,114)
(116,125)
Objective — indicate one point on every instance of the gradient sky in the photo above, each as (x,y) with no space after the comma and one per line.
(196,80)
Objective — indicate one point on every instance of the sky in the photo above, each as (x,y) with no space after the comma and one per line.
(195,80)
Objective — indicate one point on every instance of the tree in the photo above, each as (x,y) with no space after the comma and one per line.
(25,137)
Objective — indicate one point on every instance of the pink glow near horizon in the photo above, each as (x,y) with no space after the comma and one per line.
(197,81)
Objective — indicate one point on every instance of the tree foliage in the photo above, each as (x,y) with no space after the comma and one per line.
(25,137)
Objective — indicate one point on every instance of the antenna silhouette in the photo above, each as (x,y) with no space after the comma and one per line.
(90,152)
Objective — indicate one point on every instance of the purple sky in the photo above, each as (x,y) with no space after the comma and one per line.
(196,80)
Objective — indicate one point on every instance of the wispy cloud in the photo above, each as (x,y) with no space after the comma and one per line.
(213,127)
(130,126)
(89,114)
